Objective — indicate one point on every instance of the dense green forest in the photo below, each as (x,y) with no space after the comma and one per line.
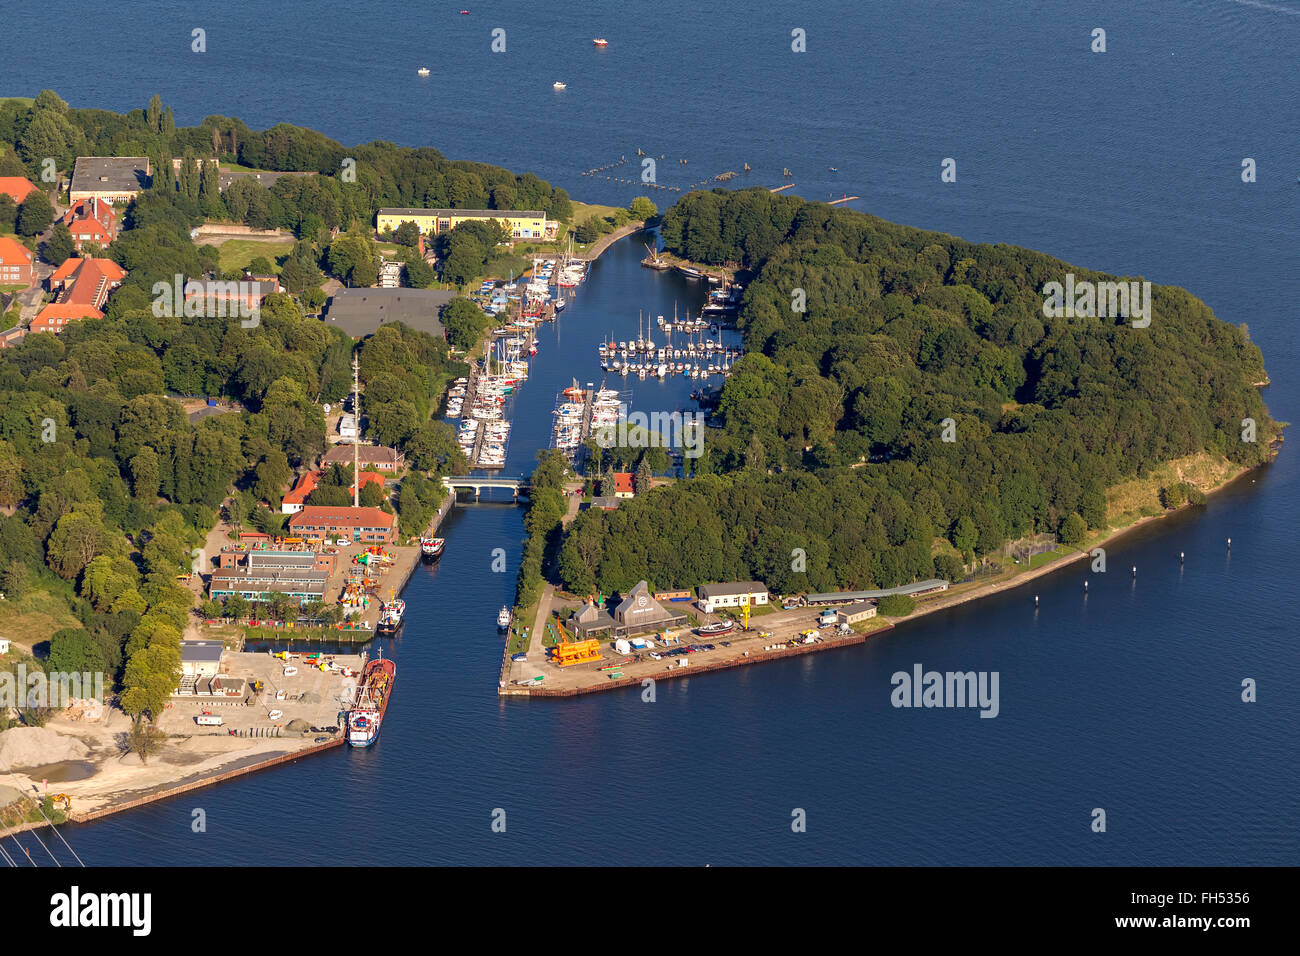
(106,485)
(833,424)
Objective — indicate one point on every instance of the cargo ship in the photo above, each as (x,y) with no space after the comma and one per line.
(373,692)
(431,547)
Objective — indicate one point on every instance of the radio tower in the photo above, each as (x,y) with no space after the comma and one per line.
(356,442)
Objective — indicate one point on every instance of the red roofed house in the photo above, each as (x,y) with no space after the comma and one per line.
(17,187)
(624,484)
(294,500)
(83,286)
(356,524)
(91,221)
(15,263)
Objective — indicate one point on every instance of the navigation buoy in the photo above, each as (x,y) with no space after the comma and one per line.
(1035,600)
(1085,587)
(1229,544)
(1182,558)
(1135,570)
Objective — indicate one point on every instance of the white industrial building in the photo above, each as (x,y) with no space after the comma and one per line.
(733,594)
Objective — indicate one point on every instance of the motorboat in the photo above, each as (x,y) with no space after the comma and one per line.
(503,618)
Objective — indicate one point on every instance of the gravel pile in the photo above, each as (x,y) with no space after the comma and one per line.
(37,746)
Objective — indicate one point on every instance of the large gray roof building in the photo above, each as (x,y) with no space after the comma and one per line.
(360,312)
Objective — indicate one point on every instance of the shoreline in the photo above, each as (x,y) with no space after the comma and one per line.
(926,606)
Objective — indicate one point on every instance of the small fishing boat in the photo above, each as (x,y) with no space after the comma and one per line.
(600,41)
(558,85)
(423,71)
(503,618)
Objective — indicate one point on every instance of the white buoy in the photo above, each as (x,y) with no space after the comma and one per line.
(1135,570)
(1181,557)
(1229,544)
(1035,600)
(1085,587)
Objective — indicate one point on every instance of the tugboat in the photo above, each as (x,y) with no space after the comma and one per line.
(431,547)
(373,691)
(390,616)
(503,618)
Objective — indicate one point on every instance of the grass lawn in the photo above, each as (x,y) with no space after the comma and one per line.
(35,616)
(583,211)
(24,100)
(238,253)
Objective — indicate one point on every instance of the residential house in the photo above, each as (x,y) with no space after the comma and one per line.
(16,187)
(91,221)
(15,263)
(624,484)
(385,459)
(733,594)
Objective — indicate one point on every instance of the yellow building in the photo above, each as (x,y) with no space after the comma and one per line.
(522,225)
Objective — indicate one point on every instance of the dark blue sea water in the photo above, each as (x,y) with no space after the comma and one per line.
(1127,699)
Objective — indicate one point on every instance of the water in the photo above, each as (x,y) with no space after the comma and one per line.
(1125,699)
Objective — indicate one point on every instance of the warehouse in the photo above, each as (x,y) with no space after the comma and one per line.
(862,611)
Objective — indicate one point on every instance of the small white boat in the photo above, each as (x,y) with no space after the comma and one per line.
(558,85)
(600,41)
(291,671)
(503,618)
(423,71)
(275,715)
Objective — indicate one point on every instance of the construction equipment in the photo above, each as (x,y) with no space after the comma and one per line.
(62,798)
(568,652)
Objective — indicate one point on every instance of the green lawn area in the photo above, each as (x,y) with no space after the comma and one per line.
(238,253)
(24,100)
(34,617)
(583,211)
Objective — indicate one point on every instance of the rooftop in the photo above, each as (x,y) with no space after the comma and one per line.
(202,650)
(360,312)
(467,213)
(732,587)
(110,174)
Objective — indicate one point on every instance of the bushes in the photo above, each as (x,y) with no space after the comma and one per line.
(896,605)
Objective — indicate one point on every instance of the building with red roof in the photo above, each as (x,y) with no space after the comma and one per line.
(295,499)
(624,484)
(17,187)
(370,525)
(91,221)
(55,317)
(15,263)
(82,287)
